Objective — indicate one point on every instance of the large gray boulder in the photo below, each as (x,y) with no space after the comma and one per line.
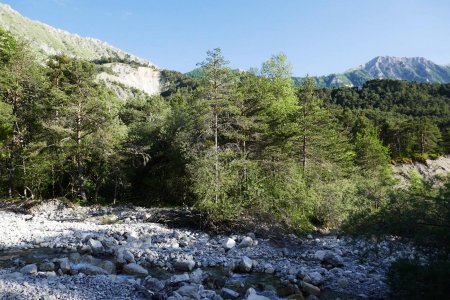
(333,259)
(128,256)
(107,265)
(29,269)
(96,246)
(64,265)
(319,255)
(184,265)
(229,293)
(177,278)
(246,242)
(134,269)
(245,264)
(153,284)
(47,267)
(192,291)
(89,269)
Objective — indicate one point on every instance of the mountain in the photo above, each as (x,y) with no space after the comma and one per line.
(387,67)
(124,70)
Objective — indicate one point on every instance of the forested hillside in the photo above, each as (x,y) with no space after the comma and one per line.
(229,143)
(413,118)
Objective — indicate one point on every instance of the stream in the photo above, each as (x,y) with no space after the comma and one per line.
(216,277)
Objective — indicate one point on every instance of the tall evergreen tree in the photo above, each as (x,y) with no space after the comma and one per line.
(83,113)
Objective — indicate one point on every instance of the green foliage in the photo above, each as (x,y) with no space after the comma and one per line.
(413,118)
(371,154)
(8,46)
(410,279)
(420,213)
(234,144)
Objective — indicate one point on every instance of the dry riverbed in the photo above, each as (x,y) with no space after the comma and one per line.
(56,252)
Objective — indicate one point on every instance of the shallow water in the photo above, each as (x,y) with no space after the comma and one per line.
(28,256)
(266,284)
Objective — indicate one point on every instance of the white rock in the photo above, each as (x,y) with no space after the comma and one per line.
(246,242)
(228,243)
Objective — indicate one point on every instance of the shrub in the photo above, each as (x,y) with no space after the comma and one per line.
(408,279)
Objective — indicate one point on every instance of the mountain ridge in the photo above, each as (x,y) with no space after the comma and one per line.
(56,41)
(126,71)
(135,72)
(417,69)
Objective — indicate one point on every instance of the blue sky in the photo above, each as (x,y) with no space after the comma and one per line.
(319,36)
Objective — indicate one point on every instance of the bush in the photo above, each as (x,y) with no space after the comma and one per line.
(408,279)
(421,213)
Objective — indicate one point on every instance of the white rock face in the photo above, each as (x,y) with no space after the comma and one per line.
(45,40)
(428,171)
(146,79)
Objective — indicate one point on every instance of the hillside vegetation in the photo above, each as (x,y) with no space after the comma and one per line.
(231,143)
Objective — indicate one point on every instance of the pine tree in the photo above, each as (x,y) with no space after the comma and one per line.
(82,115)
(21,85)
(320,143)
(216,91)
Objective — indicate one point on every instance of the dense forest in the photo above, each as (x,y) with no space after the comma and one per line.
(229,143)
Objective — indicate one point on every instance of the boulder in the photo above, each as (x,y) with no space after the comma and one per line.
(229,294)
(85,249)
(64,265)
(316,278)
(109,243)
(177,278)
(251,295)
(245,264)
(228,243)
(192,291)
(184,265)
(120,260)
(319,255)
(108,266)
(96,246)
(134,269)
(246,242)
(311,289)
(29,269)
(128,256)
(46,267)
(89,269)
(333,259)
(196,276)
(269,269)
(153,284)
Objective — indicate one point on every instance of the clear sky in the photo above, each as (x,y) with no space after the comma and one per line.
(319,36)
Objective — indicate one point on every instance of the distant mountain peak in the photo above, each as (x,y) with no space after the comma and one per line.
(417,69)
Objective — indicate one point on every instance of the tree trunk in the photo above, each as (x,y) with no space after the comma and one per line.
(304,154)
(216,139)
(81,191)
(11,175)
(422,143)
(116,186)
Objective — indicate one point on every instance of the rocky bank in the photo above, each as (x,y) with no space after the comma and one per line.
(115,253)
